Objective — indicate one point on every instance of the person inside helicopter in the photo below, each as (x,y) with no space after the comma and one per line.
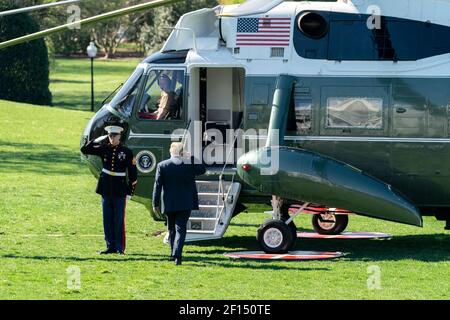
(168,91)
(166,99)
(178,77)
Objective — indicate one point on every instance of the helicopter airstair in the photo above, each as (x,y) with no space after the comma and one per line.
(217,201)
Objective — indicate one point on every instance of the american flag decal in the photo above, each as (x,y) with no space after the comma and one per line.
(263,32)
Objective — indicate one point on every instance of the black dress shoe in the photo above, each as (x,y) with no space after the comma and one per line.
(122,253)
(108,251)
(177,261)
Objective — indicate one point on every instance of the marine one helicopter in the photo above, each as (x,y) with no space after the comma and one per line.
(340,104)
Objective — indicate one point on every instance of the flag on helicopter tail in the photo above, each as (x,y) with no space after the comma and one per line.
(263,32)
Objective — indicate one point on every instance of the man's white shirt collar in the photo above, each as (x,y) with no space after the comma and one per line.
(176,159)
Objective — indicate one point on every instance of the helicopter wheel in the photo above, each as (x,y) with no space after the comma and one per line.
(275,236)
(293,228)
(329,223)
(286,216)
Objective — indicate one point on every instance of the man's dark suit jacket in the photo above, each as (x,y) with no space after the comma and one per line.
(177,181)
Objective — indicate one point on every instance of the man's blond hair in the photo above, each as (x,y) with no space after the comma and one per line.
(176,148)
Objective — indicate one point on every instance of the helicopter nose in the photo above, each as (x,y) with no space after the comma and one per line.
(85,136)
(96,126)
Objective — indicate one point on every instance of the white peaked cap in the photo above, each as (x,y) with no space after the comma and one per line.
(114,129)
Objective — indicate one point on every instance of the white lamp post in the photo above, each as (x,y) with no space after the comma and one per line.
(92,53)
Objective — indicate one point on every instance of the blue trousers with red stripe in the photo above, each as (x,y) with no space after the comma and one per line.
(114,222)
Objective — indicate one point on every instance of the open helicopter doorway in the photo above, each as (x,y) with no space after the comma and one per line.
(216,108)
(219,95)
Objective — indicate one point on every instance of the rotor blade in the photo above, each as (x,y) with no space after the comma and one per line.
(38,7)
(101,17)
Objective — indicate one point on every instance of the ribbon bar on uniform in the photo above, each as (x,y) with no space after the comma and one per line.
(114,174)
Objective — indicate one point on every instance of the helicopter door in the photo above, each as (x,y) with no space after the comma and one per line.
(221,111)
(158,113)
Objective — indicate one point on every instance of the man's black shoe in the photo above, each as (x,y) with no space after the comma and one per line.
(121,253)
(107,251)
(177,261)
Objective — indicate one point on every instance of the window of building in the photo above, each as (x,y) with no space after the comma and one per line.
(355,112)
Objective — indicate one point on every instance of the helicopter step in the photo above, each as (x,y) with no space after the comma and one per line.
(217,200)
(216,171)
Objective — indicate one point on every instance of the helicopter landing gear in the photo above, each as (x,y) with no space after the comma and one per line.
(278,235)
(329,223)
(275,236)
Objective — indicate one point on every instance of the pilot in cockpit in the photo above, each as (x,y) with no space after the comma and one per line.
(166,99)
(168,106)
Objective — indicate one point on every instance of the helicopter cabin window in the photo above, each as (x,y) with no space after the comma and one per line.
(300,111)
(162,96)
(303,110)
(355,112)
(126,98)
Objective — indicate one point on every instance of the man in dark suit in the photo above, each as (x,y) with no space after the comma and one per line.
(175,177)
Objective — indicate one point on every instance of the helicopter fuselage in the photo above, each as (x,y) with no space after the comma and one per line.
(373,99)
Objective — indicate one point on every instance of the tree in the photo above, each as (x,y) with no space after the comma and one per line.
(24,75)
(109,34)
(156,28)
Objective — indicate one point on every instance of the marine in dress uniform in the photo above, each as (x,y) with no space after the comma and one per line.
(113,186)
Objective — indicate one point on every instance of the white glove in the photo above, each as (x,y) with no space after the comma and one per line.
(100,138)
(128,197)
(166,238)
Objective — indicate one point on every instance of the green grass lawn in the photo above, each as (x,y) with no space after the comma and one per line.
(50,220)
(71,80)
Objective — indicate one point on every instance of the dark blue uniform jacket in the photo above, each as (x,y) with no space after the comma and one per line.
(176,179)
(115,159)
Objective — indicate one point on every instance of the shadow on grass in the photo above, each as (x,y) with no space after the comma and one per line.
(427,248)
(111,67)
(250,225)
(199,261)
(256,226)
(69,81)
(79,102)
(41,158)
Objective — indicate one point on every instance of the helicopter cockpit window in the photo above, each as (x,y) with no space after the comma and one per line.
(163,95)
(355,112)
(125,99)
